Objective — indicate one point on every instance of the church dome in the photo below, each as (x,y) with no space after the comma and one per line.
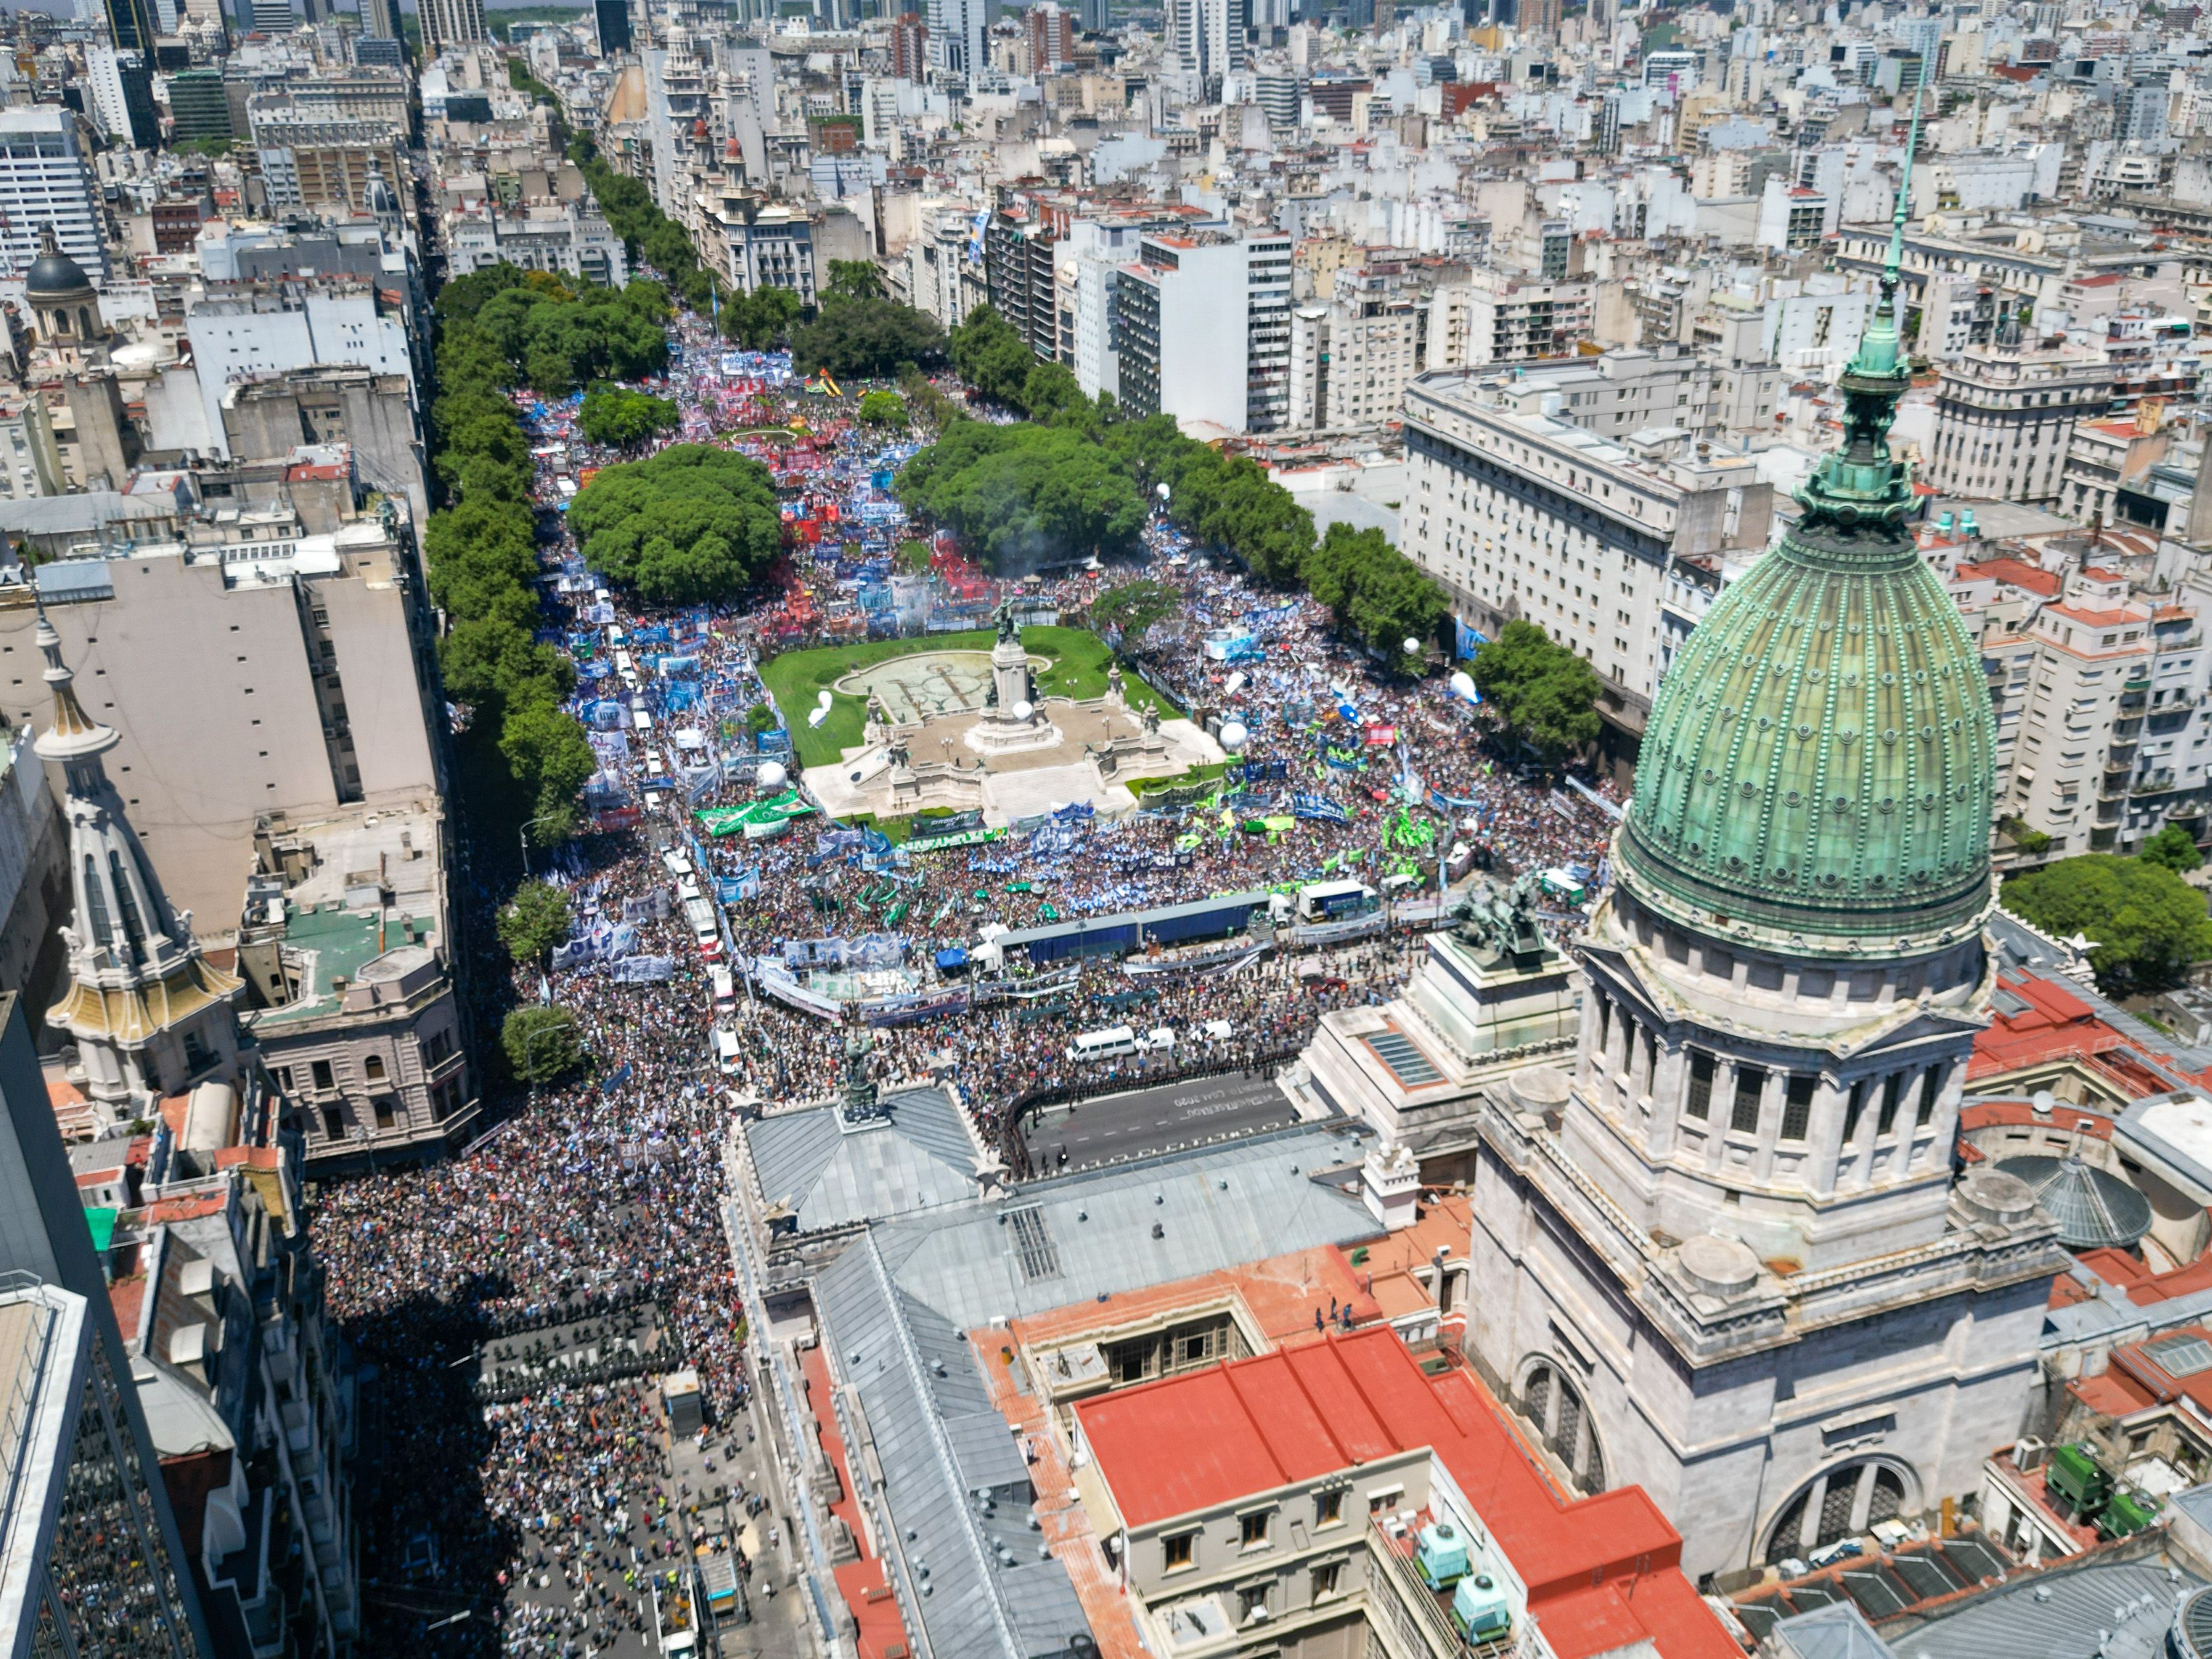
(56,279)
(1817,774)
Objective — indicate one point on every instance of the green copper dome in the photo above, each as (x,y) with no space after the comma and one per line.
(1817,774)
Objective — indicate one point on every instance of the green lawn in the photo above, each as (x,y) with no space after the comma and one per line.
(797,679)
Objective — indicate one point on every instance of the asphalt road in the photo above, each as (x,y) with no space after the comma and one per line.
(1157,1120)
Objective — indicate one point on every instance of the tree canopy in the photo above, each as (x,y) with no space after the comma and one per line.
(1023,494)
(1133,608)
(855,279)
(534,920)
(619,417)
(1545,693)
(688,524)
(559,339)
(882,409)
(990,357)
(2173,847)
(866,339)
(1376,594)
(2145,924)
(542,1043)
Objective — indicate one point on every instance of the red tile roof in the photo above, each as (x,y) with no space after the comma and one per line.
(1600,1572)
(2017,573)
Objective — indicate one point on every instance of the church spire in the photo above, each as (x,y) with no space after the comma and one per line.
(149,1013)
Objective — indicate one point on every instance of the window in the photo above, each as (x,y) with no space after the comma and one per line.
(372,1068)
(1324,1579)
(1181,1551)
(1797,1107)
(1252,1530)
(333,1124)
(1251,1600)
(385,1117)
(324,1078)
(1892,1092)
(1328,1509)
(1932,1090)
(1701,1084)
(1852,1111)
(1750,1084)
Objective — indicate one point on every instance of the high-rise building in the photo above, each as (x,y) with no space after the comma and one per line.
(379,20)
(130,26)
(1205,330)
(612,17)
(199,107)
(1205,38)
(2006,414)
(909,47)
(956,28)
(1050,31)
(451,23)
(1731,1258)
(272,17)
(46,180)
(1094,16)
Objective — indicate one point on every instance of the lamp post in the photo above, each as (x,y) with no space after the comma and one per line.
(523,835)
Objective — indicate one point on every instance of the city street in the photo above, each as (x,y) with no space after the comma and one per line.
(1147,1120)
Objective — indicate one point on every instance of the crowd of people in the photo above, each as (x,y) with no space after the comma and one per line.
(607,1187)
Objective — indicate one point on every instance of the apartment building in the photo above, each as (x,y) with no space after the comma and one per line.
(1519,512)
(571,238)
(1495,318)
(45,179)
(1018,275)
(1351,361)
(2005,416)
(1190,308)
(2107,457)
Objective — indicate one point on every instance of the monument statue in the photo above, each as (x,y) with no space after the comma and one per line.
(1502,926)
(1008,633)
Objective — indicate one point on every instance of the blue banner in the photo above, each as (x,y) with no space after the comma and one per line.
(1318,806)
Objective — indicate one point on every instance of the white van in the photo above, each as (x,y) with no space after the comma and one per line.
(1158,1041)
(653,768)
(677,861)
(641,719)
(1108,1044)
(725,1050)
(616,637)
(725,990)
(1217,1030)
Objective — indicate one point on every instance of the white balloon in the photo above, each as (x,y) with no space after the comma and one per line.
(1023,711)
(824,700)
(1234,736)
(1413,648)
(771,775)
(1463,684)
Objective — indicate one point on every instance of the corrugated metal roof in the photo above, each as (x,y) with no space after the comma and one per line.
(2115,1610)
(68,581)
(1241,1201)
(895,1305)
(918,1156)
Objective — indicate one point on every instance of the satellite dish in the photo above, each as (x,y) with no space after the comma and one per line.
(1234,736)
(771,775)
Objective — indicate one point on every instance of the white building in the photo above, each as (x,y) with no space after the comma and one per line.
(242,339)
(1206,329)
(46,180)
(2005,416)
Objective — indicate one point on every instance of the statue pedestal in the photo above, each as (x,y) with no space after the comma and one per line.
(1416,1067)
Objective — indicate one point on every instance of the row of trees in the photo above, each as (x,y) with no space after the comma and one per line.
(1540,690)
(858,334)
(617,417)
(556,335)
(1079,477)
(692,523)
(522,758)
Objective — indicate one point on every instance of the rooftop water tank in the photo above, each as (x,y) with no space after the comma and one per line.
(1479,1607)
(1442,1556)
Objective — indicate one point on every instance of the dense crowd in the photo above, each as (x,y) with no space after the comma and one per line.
(607,1187)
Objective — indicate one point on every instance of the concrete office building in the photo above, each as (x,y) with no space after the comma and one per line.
(248,339)
(1519,513)
(2005,416)
(451,23)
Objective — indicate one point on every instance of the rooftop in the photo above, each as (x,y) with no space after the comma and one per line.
(1600,1572)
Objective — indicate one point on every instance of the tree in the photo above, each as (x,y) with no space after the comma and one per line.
(534,920)
(1546,694)
(1133,607)
(551,760)
(867,339)
(692,523)
(855,279)
(2146,925)
(990,357)
(1022,495)
(542,1043)
(757,320)
(619,417)
(2172,848)
(882,409)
